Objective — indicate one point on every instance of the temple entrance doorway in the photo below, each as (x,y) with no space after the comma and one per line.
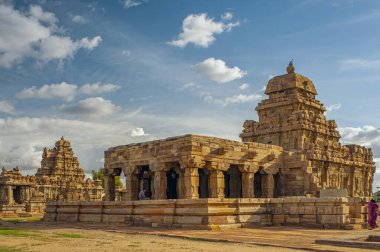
(257,184)
(17,194)
(172,184)
(144,177)
(204,185)
(233,183)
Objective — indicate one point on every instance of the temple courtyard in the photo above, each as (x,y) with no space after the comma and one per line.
(40,236)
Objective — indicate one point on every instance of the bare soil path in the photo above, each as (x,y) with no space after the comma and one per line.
(41,236)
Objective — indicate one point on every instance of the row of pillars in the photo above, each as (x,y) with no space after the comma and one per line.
(189,181)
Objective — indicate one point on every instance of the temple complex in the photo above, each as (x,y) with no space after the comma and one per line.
(292,151)
(289,168)
(59,178)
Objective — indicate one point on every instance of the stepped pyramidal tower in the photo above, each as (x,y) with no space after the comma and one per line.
(60,161)
(60,178)
(294,119)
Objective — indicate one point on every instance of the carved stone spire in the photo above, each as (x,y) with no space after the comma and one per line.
(290,69)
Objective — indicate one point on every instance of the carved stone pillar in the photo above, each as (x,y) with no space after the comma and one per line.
(217,184)
(132,186)
(191,180)
(109,186)
(10,195)
(248,185)
(267,186)
(159,185)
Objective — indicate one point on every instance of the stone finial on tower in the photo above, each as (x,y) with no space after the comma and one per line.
(290,69)
(62,138)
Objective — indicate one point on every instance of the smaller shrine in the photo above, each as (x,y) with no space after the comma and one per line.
(60,178)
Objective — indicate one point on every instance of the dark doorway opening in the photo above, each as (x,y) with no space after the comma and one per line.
(257,184)
(17,194)
(144,178)
(233,183)
(204,185)
(172,184)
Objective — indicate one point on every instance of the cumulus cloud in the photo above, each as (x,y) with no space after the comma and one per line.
(332,107)
(6,107)
(79,19)
(22,139)
(98,88)
(217,70)
(65,90)
(227,16)
(199,29)
(138,132)
(244,86)
(91,107)
(238,98)
(133,3)
(35,34)
(49,91)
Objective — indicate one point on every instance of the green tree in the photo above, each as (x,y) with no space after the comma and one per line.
(99,175)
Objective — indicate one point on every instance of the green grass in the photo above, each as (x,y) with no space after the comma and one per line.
(69,235)
(19,220)
(18,233)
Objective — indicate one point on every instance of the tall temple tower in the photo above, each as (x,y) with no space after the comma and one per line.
(60,161)
(294,119)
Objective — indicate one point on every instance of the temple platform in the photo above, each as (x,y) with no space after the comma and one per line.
(214,213)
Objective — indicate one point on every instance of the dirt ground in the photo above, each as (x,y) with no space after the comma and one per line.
(40,236)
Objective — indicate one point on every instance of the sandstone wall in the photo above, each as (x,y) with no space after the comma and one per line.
(214,213)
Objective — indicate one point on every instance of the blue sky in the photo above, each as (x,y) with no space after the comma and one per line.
(106,73)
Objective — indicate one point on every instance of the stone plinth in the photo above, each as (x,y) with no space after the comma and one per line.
(210,213)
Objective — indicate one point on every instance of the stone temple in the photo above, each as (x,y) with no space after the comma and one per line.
(289,169)
(59,178)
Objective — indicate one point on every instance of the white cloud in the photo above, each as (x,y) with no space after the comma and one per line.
(34,34)
(98,88)
(65,90)
(133,3)
(239,98)
(49,91)
(189,85)
(244,86)
(22,139)
(356,63)
(332,107)
(138,132)
(217,70)
(91,107)
(227,16)
(6,107)
(78,19)
(199,29)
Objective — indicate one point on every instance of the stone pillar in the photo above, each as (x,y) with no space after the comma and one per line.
(267,186)
(132,186)
(191,180)
(109,186)
(10,195)
(248,184)
(217,184)
(159,185)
